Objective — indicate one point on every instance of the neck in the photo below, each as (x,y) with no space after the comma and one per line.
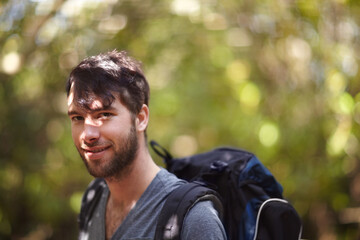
(125,191)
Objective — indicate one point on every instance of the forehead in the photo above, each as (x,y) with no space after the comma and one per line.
(70,98)
(89,102)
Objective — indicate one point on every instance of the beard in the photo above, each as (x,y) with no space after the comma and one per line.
(120,163)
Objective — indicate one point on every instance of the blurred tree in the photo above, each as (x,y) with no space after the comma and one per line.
(276,77)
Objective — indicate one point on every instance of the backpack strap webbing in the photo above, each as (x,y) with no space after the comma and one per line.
(178,204)
(89,202)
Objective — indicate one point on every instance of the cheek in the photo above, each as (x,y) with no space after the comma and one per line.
(114,132)
(75,133)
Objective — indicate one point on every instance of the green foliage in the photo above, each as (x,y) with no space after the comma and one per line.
(279,78)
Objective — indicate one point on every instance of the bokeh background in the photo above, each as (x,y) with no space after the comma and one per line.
(279,78)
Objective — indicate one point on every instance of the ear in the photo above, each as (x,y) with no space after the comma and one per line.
(142,118)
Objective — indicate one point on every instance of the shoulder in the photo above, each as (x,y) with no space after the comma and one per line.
(203,222)
(167,181)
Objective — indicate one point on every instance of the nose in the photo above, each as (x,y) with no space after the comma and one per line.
(91,132)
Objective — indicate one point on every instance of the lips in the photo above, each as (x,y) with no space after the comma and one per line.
(95,150)
(95,153)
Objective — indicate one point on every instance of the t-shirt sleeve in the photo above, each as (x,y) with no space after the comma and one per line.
(203,222)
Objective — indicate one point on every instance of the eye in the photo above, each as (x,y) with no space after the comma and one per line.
(77,118)
(106,115)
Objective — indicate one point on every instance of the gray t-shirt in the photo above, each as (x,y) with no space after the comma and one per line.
(202,221)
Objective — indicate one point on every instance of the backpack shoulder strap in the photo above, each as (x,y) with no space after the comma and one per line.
(89,202)
(178,204)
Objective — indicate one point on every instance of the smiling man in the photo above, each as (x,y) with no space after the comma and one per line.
(108,98)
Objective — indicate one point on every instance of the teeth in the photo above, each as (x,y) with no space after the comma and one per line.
(97,150)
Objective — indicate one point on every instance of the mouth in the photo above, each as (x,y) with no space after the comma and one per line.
(95,153)
(95,150)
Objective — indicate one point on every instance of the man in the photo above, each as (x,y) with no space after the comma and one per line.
(108,99)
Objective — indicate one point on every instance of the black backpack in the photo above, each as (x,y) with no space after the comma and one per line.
(252,201)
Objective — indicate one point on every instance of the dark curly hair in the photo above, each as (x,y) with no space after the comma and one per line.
(106,75)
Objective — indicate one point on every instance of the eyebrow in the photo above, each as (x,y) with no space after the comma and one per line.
(96,109)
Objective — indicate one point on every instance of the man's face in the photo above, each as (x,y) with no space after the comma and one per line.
(105,137)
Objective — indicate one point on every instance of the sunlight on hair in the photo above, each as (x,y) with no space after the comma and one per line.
(71,96)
